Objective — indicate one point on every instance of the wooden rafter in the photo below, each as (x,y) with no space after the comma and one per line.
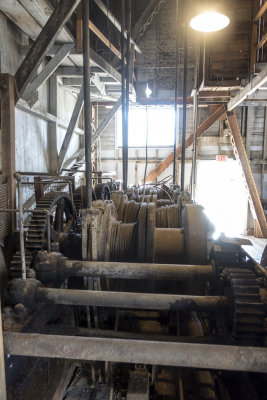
(44,41)
(217,114)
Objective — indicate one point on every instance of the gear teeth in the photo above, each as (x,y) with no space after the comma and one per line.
(248,324)
(35,236)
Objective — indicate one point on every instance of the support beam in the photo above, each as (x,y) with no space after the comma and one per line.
(52,125)
(48,35)
(261,11)
(47,71)
(146,18)
(189,141)
(106,121)
(262,42)
(191,355)
(241,155)
(255,84)
(114,21)
(7,95)
(73,121)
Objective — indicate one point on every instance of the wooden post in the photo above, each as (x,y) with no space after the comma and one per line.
(79,28)
(7,90)
(240,153)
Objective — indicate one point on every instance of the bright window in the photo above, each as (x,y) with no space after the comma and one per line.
(221,190)
(158,120)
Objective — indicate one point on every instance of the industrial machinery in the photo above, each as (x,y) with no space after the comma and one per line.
(132,299)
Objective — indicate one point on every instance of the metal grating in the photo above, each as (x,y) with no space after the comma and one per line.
(3,216)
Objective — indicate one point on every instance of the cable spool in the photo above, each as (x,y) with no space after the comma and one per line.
(121,240)
(122,205)
(164,202)
(195,224)
(169,246)
(168,217)
(131,212)
(102,191)
(116,198)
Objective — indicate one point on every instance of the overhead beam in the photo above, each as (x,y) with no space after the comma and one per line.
(191,355)
(103,38)
(215,116)
(47,71)
(72,81)
(46,38)
(255,84)
(261,12)
(262,42)
(114,21)
(146,18)
(73,121)
(241,155)
(96,58)
(74,71)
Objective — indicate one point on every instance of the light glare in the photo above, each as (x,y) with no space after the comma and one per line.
(209,22)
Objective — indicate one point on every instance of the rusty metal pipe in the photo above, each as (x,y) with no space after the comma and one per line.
(188,355)
(118,270)
(130,300)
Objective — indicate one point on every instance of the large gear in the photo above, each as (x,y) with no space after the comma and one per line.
(248,317)
(62,219)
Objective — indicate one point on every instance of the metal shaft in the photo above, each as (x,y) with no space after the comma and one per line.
(123,98)
(127,97)
(117,270)
(184,104)
(189,355)
(87,107)
(2,363)
(130,300)
(21,227)
(176,96)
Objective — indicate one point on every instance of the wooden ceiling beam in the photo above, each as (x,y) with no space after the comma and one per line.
(44,41)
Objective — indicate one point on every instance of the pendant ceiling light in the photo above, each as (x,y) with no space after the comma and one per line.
(209,16)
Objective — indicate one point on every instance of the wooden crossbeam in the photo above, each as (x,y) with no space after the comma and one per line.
(73,121)
(261,12)
(47,71)
(241,155)
(44,41)
(262,42)
(217,114)
(114,21)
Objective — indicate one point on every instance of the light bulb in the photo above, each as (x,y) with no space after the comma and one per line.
(209,22)
(148,91)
